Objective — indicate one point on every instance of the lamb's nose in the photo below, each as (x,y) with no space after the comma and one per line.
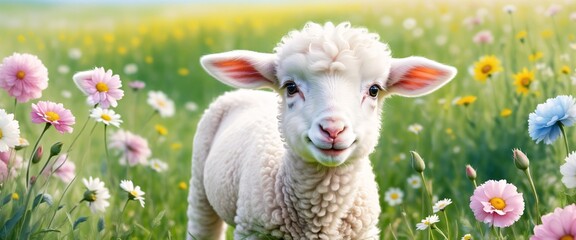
(332,127)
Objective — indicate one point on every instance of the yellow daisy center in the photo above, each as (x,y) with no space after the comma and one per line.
(1,135)
(525,81)
(161,103)
(498,203)
(20,75)
(133,193)
(52,116)
(105,117)
(101,87)
(394,196)
(566,237)
(486,69)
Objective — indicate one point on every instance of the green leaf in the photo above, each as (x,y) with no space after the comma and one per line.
(100,224)
(157,220)
(24,234)
(78,221)
(37,201)
(6,199)
(9,225)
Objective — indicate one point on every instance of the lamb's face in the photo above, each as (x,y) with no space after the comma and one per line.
(333,80)
(331,104)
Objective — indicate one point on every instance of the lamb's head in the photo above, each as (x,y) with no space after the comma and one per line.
(333,81)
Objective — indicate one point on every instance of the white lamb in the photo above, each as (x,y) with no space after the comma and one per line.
(294,164)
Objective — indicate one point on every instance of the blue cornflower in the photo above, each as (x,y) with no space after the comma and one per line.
(544,123)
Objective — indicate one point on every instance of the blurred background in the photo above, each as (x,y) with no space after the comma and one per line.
(160,42)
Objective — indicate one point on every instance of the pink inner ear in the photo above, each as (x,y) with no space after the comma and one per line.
(239,69)
(419,77)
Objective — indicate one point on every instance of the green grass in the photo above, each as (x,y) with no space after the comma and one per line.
(165,40)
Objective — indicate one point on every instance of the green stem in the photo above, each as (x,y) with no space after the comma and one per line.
(34,152)
(537,201)
(78,134)
(426,187)
(447,222)
(439,231)
(408,225)
(60,200)
(565,137)
(119,225)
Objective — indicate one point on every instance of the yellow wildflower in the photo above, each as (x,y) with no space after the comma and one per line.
(522,80)
(565,70)
(466,100)
(535,56)
(182,185)
(15,196)
(546,33)
(521,36)
(506,112)
(160,129)
(122,50)
(149,59)
(486,67)
(183,72)
(176,146)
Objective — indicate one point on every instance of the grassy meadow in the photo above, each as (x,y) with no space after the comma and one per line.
(161,45)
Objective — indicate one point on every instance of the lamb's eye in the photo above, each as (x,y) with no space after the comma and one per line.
(291,88)
(373,90)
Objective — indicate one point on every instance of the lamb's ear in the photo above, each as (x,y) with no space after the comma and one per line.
(417,76)
(241,68)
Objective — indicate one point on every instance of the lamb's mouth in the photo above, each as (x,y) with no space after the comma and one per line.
(331,156)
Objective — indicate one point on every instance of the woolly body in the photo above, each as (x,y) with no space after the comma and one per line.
(294,165)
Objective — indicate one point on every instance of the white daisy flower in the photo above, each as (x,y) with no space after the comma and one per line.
(415,128)
(393,196)
(440,205)
(568,170)
(191,106)
(131,68)
(106,116)
(468,236)
(96,194)
(428,221)
(134,192)
(509,8)
(158,165)
(9,131)
(161,103)
(415,181)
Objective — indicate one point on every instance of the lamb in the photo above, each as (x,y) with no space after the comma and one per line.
(293,163)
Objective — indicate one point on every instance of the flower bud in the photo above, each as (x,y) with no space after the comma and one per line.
(470,172)
(520,159)
(22,143)
(38,155)
(55,149)
(89,196)
(417,162)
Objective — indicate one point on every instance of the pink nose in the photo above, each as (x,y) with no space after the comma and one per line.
(332,128)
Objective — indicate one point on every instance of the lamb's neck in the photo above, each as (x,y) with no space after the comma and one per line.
(319,197)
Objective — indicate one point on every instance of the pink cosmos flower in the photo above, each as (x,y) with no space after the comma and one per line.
(134,148)
(54,114)
(561,224)
(62,167)
(137,85)
(10,165)
(100,86)
(497,203)
(3,171)
(23,76)
(483,37)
